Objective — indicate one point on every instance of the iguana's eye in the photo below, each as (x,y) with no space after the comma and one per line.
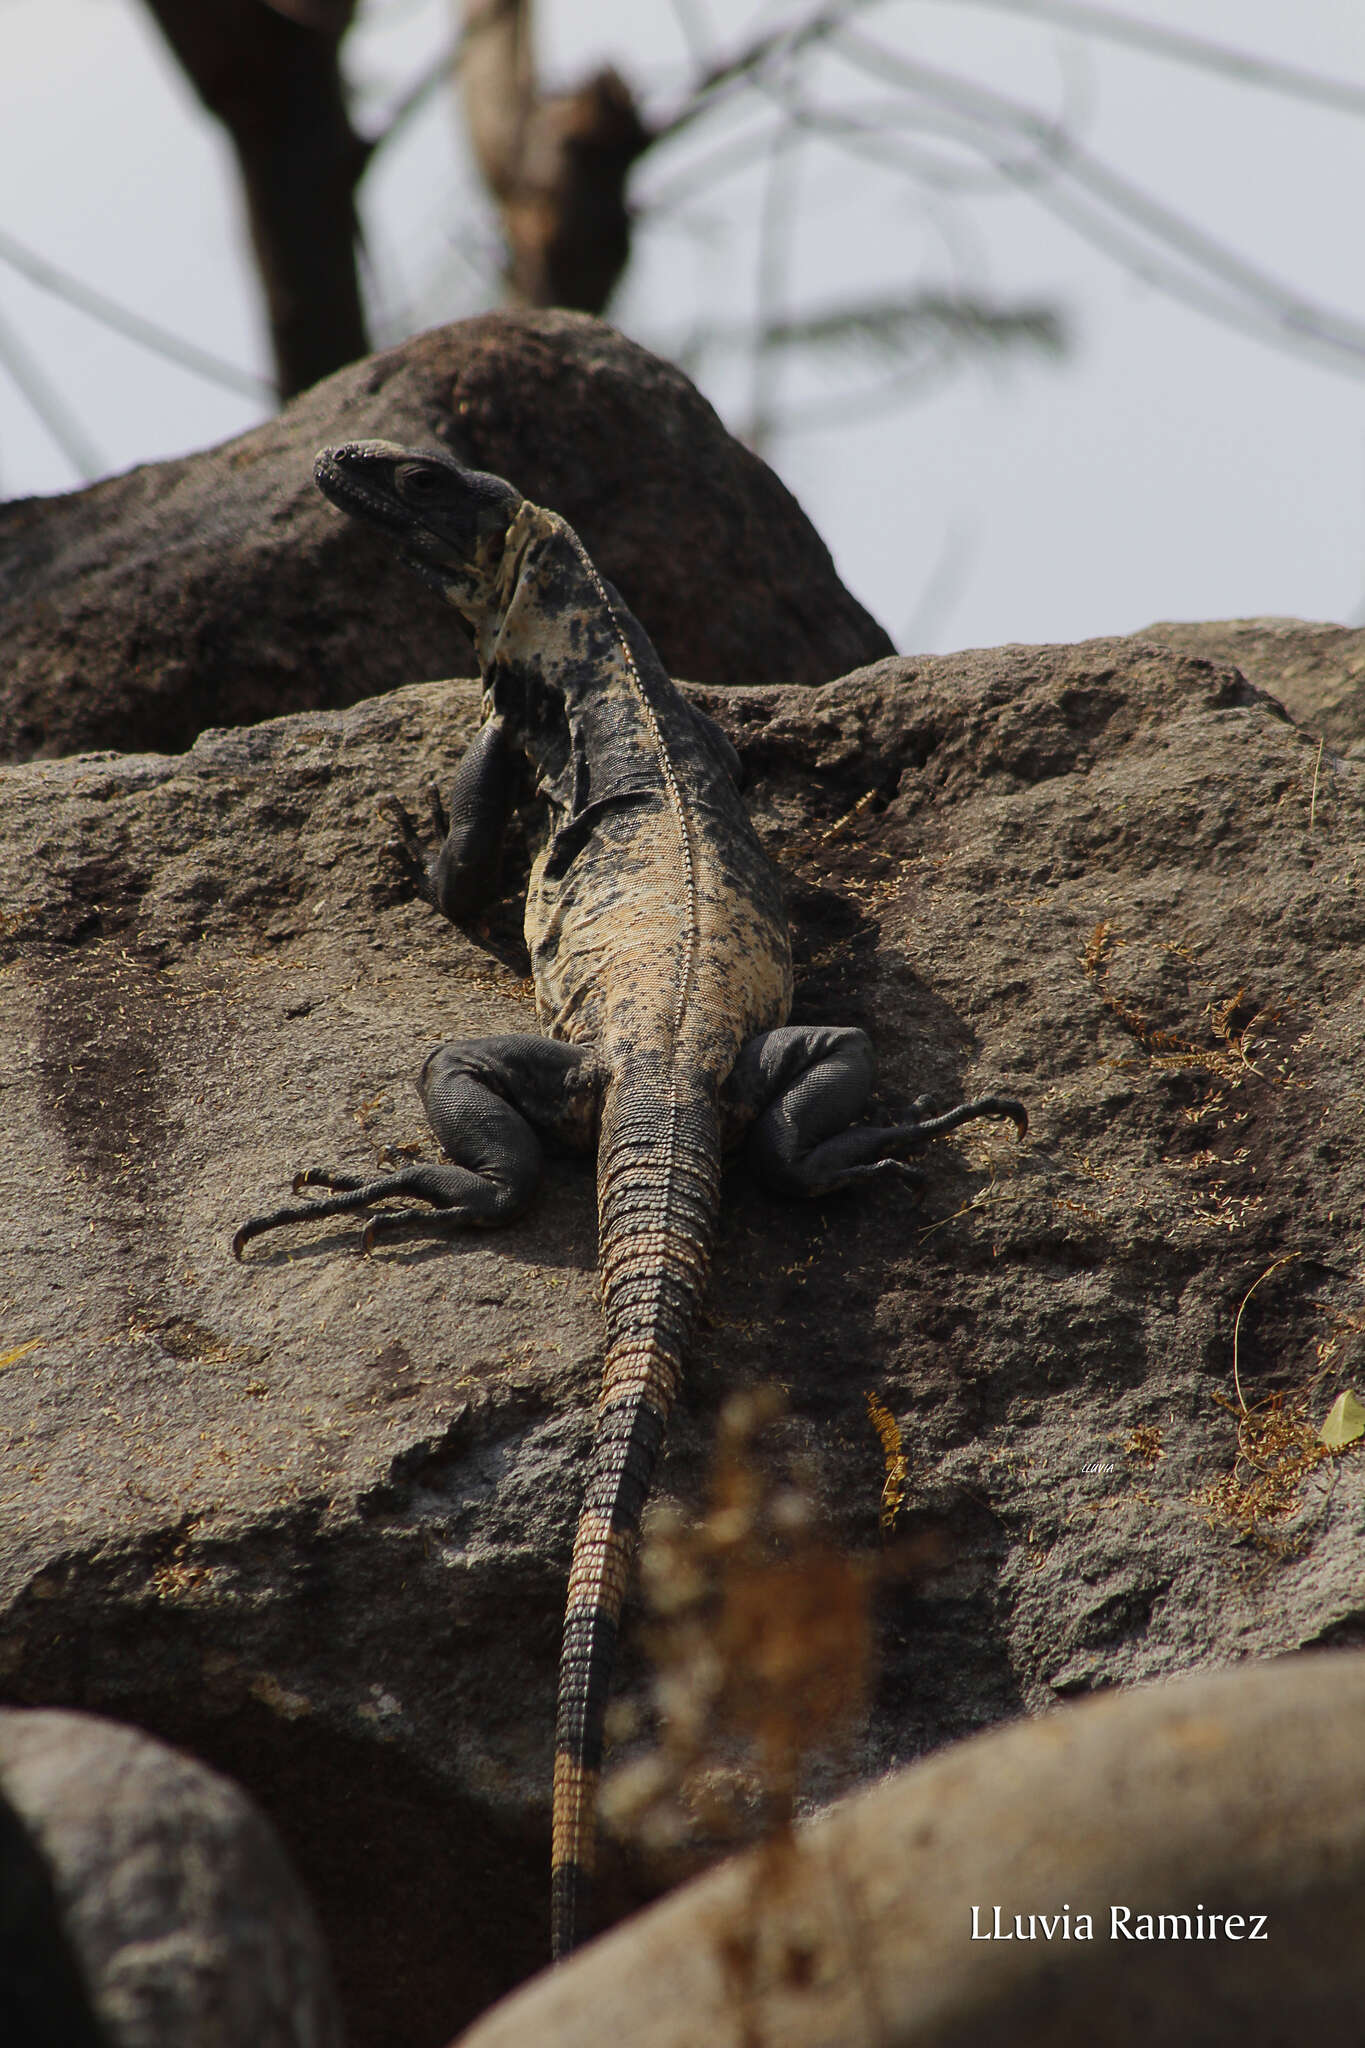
(415,480)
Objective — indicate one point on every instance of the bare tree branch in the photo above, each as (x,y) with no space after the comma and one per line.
(774,250)
(1289,80)
(556,164)
(49,405)
(1288,316)
(889,327)
(109,313)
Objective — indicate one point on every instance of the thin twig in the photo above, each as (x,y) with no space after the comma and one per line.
(1289,80)
(65,429)
(1287,1260)
(145,332)
(1313,805)
(412,100)
(774,240)
(1295,321)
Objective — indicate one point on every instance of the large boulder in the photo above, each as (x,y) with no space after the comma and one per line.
(1177,1864)
(309,1516)
(221,588)
(1317,669)
(177,1909)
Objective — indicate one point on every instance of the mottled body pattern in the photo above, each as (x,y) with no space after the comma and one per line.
(662,967)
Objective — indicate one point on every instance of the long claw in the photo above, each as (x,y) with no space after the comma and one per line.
(408,848)
(968,1112)
(440,821)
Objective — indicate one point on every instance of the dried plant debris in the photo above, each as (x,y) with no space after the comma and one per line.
(897,1469)
(761,1642)
(1235,1030)
(1278,1446)
(1145,1443)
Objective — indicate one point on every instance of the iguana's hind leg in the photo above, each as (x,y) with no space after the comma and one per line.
(808,1085)
(485,1101)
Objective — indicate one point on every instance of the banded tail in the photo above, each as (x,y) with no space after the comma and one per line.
(658,1180)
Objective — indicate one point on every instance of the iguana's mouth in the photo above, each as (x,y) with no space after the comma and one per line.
(349,493)
(427,552)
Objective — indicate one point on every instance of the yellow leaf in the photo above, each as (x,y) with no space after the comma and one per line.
(22,1351)
(1345,1421)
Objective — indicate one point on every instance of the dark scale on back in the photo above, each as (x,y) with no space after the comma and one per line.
(662,967)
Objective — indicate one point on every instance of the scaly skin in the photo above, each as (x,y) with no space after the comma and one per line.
(664,945)
(662,966)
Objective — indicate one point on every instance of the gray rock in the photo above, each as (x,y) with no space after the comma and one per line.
(220,588)
(1316,671)
(309,1516)
(43,1996)
(184,1917)
(1197,1851)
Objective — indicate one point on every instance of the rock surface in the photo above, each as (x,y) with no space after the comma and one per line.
(1240,1796)
(1317,670)
(186,1922)
(310,1517)
(43,1994)
(221,588)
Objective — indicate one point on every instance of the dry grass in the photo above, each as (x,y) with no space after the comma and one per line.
(1277,1448)
(897,1469)
(1228,1058)
(1278,1445)
(761,1644)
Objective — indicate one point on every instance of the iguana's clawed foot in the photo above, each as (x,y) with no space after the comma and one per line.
(811,1085)
(852,1157)
(398,1223)
(407,846)
(457,1196)
(319,1177)
(1003,1107)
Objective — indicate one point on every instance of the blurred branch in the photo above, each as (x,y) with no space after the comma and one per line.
(437,75)
(1286,79)
(160,340)
(925,334)
(717,81)
(1284,315)
(688,16)
(49,405)
(939,592)
(555,164)
(888,328)
(774,248)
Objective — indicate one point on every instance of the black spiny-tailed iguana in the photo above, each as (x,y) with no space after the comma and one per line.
(662,965)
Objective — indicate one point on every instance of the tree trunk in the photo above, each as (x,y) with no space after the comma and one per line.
(270,74)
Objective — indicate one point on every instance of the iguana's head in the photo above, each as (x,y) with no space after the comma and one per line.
(447,522)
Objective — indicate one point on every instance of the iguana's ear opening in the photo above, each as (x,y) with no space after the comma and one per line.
(446,521)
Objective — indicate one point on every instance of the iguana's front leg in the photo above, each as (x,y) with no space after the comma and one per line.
(808,1085)
(462,876)
(485,1101)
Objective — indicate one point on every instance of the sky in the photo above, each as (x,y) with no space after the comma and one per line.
(1168,467)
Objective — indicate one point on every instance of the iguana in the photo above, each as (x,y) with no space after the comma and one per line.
(662,966)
